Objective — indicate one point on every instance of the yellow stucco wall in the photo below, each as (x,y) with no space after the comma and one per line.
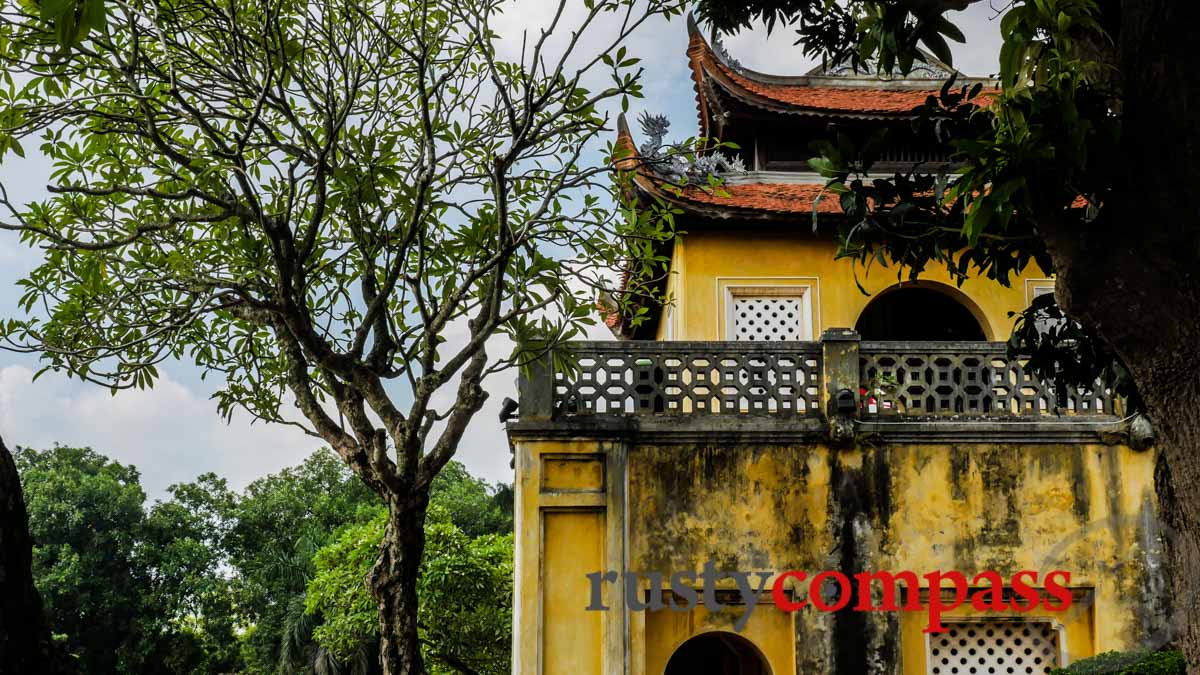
(591,502)
(968,507)
(706,261)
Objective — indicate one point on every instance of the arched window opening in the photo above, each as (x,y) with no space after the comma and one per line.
(717,654)
(917,314)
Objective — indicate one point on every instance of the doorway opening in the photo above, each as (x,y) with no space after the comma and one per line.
(717,654)
(918,313)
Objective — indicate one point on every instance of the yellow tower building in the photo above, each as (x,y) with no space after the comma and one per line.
(722,489)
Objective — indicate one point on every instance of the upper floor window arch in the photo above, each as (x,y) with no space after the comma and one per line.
(922,311)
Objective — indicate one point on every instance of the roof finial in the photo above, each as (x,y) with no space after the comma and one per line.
(625,150)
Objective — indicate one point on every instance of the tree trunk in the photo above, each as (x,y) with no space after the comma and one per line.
(393,583)
(25,644)
(1161,84)
(1132,277)
(1178,483)
(1145,302)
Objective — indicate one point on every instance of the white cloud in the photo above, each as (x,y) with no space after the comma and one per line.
(171,433)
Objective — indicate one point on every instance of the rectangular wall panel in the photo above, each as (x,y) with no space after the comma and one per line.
(573,473)
(572,638)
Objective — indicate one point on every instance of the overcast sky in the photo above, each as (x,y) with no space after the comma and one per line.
(173,433)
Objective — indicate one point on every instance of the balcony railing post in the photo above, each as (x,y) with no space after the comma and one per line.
(839,352)
(535,387)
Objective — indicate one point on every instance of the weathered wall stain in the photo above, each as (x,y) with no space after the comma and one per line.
(966,506)
(1079,485)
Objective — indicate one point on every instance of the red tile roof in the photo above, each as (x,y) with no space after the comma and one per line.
(838,99)
(765,197)
(812,95)
(751,199)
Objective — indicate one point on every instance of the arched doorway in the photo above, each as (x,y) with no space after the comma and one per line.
(918,313)
(717,653)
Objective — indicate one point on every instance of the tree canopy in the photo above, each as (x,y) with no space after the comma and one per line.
(86,519)
(466,593)
(270,579)
(332,208)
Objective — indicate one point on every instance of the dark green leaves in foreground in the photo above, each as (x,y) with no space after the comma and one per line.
(71,20)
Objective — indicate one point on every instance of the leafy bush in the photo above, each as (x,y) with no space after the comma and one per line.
(1162,663)
(1139,662)
(465,619)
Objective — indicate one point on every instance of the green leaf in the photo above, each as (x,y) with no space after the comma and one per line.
(1009,22)
(823,166)
(950,30)
(66,29)
(52,9)
(977,221)
(95,15)
(937,45)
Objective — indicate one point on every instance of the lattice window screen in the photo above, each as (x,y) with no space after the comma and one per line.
(994,648)
(760,318)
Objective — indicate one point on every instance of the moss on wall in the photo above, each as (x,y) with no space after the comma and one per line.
(968,507)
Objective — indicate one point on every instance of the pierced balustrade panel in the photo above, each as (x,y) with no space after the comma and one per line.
(930,378)
(677,378)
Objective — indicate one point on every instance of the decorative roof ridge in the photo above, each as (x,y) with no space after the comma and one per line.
(820,92)
(696,48)
(819,75)
(753,194)
(626,145)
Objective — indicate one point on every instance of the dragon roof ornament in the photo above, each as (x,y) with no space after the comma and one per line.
(677,163)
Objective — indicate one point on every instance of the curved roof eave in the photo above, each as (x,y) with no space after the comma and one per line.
(710,68)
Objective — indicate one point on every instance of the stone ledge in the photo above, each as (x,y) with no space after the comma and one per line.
(688,429)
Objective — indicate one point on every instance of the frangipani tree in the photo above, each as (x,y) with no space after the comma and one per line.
(332,205)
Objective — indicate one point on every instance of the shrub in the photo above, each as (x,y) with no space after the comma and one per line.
(1139,662)
(1161,663)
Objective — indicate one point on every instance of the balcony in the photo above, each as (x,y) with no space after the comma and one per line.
(954,391)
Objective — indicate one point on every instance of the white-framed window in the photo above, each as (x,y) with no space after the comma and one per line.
(1016,646)
(1035,288)
(768,313)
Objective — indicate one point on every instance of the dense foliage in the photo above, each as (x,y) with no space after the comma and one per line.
(336,205)
(466,590)
(132,590)
(266,580)
(1128,663)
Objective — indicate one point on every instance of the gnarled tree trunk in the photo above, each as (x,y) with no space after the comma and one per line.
(1178,483)
(393,583)
(1132,277)
(1144,300)
(1134,280)
(25,644)
(1161,142)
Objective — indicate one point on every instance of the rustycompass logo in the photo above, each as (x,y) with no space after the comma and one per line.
(833,591)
